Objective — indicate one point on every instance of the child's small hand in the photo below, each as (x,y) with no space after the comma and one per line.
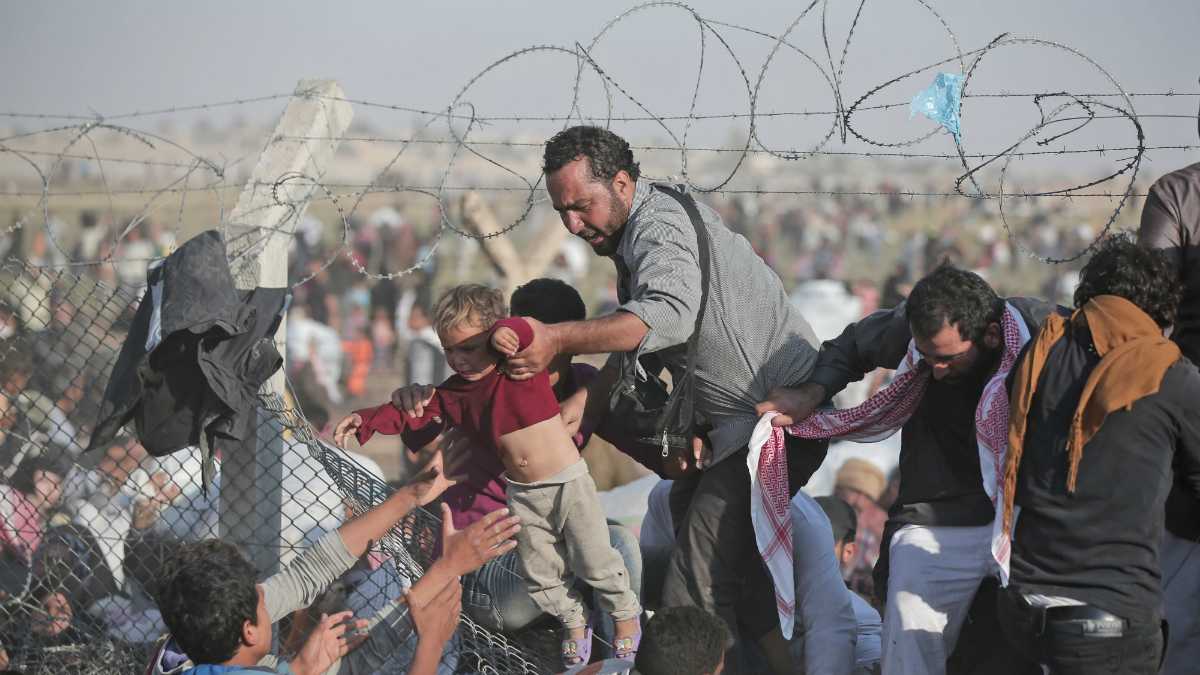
(347,428)
(505,341)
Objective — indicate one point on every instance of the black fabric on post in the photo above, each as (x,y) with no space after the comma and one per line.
(216,350)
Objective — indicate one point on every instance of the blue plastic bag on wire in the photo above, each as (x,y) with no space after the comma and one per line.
(940,102)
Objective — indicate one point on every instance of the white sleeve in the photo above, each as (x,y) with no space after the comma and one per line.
(826,627)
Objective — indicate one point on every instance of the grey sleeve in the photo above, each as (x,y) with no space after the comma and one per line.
(877,341)
(298,585)
(1161,227)
(664,280)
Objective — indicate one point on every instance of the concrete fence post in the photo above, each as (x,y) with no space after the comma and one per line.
(258,234)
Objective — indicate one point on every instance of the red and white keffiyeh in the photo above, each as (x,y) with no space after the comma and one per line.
(769,504)
(874,420)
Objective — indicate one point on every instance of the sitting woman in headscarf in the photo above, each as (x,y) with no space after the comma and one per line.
(25,504)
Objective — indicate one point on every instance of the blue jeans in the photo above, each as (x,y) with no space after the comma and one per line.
(497,598)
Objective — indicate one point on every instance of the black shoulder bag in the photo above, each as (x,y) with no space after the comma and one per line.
(645,407)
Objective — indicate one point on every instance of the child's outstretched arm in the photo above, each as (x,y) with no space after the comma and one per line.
(389,420)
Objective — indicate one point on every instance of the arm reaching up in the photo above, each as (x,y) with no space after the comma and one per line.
(436,622)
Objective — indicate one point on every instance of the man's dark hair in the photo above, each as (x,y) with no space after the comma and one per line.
(607,152)
(955,297)
(682,641)
(548,301)
(842,518)
(22,478)
(1140,275)
(207,593)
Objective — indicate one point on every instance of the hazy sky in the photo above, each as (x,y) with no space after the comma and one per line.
(120,55)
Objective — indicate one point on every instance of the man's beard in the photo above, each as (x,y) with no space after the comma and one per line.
(618,215)
(988,360)
(981,371)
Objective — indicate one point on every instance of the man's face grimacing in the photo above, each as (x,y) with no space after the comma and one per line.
(592,209)
(951,358)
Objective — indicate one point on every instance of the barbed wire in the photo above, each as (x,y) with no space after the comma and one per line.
(148,113)
(356,189)
(516,118)
(416,140)
(463,121)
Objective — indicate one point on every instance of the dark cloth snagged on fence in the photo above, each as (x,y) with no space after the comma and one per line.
(195,356)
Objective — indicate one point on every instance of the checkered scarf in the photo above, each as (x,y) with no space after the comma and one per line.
(874,420)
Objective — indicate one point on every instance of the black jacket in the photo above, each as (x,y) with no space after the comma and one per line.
(195,356)
(940,482)
(1100,544)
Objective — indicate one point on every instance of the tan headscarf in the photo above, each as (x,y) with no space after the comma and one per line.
(1134,356)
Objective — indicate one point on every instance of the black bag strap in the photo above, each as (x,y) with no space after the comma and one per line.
(681,402)
(702,244)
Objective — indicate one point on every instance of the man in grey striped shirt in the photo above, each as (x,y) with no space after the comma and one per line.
(751,340)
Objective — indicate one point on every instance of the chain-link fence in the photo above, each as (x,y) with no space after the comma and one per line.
(85,534)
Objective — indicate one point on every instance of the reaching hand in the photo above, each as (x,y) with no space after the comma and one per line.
(433,479)
(534,358)
(146,509)
(346,428)
(411,400)
(145,513)
(793,405)
(456,446)
(327,643)
(505,341)
(165,489)
(480,542)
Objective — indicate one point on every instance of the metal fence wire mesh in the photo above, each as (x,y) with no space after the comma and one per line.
(84,535)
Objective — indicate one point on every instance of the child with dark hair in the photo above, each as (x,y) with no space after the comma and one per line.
(683,641)
(555,301)
(548,301)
